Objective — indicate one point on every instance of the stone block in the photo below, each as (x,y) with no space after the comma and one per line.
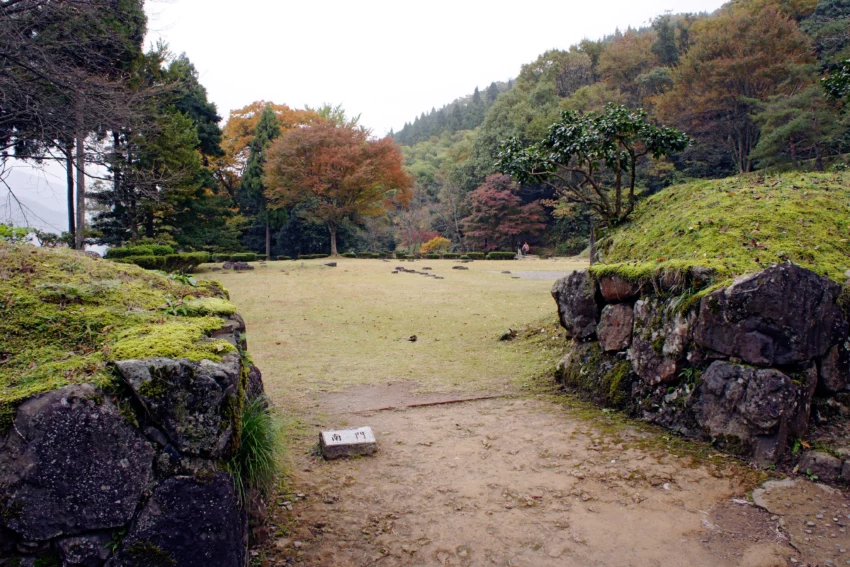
(615,327)
(823,465)
(348,442)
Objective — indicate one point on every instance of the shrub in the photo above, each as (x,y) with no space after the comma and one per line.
(367,255)
(312,256)
(501,255)
(161,249)
(464,257)
(349,255)
(476,255)
(283,258)
(451,256)
(432,256)
(436,244)
(572,246)
(255,462)
(243,257)
(128,251)
(141,250)
(185,262)
(150,262)
(219,257)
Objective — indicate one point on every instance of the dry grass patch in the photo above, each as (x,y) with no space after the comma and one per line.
(313,328)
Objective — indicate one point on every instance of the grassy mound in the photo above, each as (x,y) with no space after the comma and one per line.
(737,225)
(64,317)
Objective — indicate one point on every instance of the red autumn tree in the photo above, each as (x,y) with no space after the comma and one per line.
(498,218)
(335,173)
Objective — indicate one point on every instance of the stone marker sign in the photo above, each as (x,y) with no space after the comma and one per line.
(348,442)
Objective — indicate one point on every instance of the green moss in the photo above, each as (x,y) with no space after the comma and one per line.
(147,554)
(619,387)
(51,560)
(599,376)
(209,306)
(176,338)
(658,345)
(62,315)
(737,225)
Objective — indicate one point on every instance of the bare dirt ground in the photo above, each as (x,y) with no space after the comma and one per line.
(527,478)
(514,481)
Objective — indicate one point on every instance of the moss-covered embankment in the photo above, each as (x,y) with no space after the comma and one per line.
(64,317)
(129,412)
(735,226)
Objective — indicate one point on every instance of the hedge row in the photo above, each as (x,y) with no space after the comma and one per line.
(141,250)
(234,257)
(501,255)
(185,262)
(312,256)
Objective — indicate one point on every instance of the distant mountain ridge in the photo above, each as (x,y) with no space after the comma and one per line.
(464,113)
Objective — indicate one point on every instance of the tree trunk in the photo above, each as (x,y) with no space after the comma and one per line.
(592,241)
(793,144)
(69,178)
(269,242)
(818,158)
(332,230)
(79,238)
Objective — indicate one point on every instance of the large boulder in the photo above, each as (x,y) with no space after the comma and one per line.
(187,522)
(780,316)
(71,464)
(615,328)
(187,400)
(579,304)
(753,411)
(822,465)
(660,341)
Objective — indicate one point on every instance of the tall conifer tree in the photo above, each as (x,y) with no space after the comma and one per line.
(252,191)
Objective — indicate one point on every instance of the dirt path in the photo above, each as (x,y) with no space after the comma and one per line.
(510,482)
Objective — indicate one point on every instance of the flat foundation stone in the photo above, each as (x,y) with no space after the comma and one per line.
(347,443)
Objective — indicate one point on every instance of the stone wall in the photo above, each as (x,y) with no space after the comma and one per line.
(738,366)
(130,476)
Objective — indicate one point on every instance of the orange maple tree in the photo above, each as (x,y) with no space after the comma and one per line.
(238,133)
(335,174)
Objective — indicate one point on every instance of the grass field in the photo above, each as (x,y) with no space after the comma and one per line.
(313,328)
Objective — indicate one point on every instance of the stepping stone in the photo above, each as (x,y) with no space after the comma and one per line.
(459,268)
(426,268)
(331,264)
(347,442)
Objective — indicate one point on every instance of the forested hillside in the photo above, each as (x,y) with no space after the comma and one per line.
(743,82)
(757,85)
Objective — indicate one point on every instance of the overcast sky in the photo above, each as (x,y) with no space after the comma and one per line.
(386,60)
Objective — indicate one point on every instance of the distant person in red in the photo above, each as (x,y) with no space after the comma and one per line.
(525,249)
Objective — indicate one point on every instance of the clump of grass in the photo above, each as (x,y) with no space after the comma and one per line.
(257,460)
(738,225)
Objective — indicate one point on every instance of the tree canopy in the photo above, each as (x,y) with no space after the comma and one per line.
(593,159)
(336,174)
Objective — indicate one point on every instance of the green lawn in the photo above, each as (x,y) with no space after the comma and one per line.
(313,328)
